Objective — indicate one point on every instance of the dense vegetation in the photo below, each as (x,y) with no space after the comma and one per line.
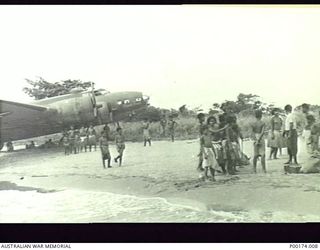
(40,88)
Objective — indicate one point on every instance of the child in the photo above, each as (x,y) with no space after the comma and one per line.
(119,139)
(105,153)
(258,129)
(209,157)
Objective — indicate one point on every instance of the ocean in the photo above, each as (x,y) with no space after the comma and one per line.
(78,206)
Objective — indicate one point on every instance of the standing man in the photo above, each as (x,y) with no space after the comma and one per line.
(92,138)
(83,139)
(66,142)
(291,134)
(120,143)
(275,137)
(72,139)
(172,124)
(146,133)
(308,121)
(201,119)
(259,147)
(104,147)
(314,135)
(163,123)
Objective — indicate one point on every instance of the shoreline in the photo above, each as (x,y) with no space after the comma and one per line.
(265,194)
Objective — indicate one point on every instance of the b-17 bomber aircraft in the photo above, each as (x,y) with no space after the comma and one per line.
(79,108)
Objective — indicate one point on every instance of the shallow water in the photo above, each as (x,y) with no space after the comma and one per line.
(78,206)
(166,169)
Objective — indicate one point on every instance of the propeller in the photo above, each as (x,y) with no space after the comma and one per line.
(110,111)
(94,104)
(96,107)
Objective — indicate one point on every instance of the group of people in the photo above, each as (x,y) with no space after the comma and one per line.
(166,126)
(285,133)
(219,145)
(289,136)
(31,145)
(77,140)
(104,146)
(220,138)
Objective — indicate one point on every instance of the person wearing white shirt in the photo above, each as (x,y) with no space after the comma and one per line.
(291,134)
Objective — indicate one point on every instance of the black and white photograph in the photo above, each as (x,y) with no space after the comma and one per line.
(182,113)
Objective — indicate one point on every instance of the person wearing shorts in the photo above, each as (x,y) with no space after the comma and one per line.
(120,144)
(104,147)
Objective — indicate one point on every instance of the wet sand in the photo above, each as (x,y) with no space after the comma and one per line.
(168,170)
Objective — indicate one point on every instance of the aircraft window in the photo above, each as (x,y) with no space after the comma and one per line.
(119,102)
(101,92)
(139,99)
(126,101)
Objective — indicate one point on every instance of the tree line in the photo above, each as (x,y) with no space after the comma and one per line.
(243,106)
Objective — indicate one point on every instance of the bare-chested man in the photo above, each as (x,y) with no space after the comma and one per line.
(104,147)
(258,129)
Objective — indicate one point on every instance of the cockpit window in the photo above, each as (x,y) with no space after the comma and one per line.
(123,102)
(139,99)
(101,92)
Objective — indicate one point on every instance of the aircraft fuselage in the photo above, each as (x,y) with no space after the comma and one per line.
(76,109)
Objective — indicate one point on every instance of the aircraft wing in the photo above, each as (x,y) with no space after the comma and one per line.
(20,120)
(4,104)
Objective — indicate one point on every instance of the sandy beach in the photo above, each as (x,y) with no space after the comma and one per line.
(155,184)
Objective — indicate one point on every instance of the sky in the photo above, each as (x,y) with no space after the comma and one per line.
(187,54)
